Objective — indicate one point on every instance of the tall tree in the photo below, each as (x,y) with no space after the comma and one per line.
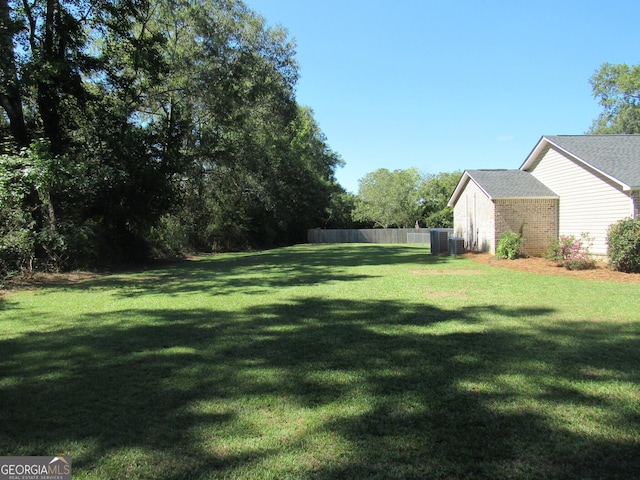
(435,192)
(617,88)
(339,213)
(305,182)
(261,170)
(79,67)
(10,95)
(174,112)
(233,79)
(388,198)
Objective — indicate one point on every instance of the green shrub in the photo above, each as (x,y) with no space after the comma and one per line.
(509,246)
(623,241)
(571,252)
(169,237)
(17,226)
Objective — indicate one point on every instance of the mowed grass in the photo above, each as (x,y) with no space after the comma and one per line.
(325,361)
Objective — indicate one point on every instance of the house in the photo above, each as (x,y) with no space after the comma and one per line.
(567,185)
(488,203)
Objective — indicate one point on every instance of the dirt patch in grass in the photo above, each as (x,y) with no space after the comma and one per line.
(544,266)
(28,281)
(452,271)
(435,295)
(34,280)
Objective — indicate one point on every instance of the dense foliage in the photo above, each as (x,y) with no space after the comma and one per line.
(389,199)
(130,125)
(617,87)
(435,192)
(400,198)
(623,241)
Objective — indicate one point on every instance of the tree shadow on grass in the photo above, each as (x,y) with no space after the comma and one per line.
(3,301)
(190,393)
(255,272)
(6,304)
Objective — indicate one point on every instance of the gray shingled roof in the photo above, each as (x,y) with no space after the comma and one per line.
(510,184)
(618,156)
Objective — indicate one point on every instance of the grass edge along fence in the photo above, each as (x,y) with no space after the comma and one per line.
(369,235)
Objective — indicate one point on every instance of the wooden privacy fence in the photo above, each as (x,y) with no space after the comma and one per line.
(369,235)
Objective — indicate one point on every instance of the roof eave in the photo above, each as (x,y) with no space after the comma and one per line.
(462,183)
(532,197)
(544,141)
(534,153)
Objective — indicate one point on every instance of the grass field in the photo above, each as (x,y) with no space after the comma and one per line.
(325,361)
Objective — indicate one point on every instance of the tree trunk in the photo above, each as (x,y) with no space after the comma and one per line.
(10,98)
(48,94)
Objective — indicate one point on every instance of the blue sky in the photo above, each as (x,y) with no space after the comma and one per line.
(450,85)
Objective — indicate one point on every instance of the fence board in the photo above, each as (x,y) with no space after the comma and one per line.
(423,237)
(369,235)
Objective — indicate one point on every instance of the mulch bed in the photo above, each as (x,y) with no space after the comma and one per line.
(544,266)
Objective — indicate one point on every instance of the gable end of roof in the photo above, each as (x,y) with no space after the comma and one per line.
(503,184)
(616,157)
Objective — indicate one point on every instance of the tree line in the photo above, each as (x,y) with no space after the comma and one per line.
(131,127)
(405,198)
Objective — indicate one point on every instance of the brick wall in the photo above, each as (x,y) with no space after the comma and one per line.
(537,218)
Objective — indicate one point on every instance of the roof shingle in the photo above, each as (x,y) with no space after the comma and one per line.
(510,184)
(617,156)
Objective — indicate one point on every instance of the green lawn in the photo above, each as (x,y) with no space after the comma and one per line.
(325,361)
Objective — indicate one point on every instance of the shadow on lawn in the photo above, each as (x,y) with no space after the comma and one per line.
(170,399)
(257,272)
(437,407)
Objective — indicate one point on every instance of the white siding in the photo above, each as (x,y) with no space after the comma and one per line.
(589,203)
(474,219)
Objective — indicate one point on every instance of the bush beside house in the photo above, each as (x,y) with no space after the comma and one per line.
(624,245)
